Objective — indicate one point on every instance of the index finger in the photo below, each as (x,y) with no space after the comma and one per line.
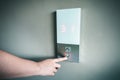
(60,59)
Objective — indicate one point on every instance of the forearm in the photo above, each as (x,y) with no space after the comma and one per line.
(12,66)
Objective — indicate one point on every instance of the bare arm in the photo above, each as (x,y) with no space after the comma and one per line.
(12,66)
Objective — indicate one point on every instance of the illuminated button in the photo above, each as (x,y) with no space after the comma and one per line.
(67,54)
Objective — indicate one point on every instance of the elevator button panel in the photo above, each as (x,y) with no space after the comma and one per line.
(68,33)
(68,50)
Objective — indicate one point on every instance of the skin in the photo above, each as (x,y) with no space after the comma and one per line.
(13,67)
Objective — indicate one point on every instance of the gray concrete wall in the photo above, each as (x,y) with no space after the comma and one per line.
(27,30)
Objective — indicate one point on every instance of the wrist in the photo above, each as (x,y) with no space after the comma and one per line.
(36,69)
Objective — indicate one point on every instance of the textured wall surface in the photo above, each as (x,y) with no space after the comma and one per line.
(27,30)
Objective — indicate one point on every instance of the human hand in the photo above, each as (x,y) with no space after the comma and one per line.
(50,66)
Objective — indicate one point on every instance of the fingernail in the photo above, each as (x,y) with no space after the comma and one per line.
(66,58)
